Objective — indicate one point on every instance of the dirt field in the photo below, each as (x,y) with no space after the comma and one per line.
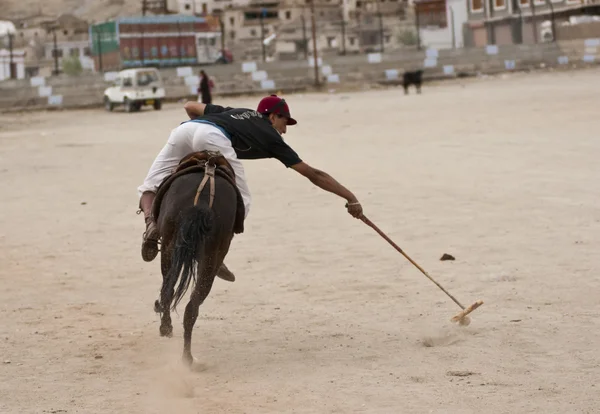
(325,316)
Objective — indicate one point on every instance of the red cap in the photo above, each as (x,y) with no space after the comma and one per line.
(276,105)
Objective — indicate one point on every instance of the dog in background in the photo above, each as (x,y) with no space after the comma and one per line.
(412,78)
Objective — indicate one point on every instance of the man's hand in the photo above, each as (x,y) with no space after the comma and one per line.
(355,209)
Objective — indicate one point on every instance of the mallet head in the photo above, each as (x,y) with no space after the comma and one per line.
(462,317)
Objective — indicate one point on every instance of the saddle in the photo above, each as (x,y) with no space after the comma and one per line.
(211,163)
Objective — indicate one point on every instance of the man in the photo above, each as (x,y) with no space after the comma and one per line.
(237,133)
(204,89)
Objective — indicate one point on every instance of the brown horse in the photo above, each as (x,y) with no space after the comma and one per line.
(198,212)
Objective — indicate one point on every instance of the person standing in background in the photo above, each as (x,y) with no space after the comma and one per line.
(204,90)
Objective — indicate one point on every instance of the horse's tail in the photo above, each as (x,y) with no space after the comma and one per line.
(196,224)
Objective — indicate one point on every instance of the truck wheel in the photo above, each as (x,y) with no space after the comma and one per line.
(157,104)
(129,106)
(108,105)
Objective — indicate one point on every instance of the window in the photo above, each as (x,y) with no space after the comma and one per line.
(87,51)
(74,51)
(232,21)
(145,78)
(65,32)
(232,35)
(433,14)
(252,32)
(351,39)
(499,4)
(477,5)
(204,8)
(288,15)
(57,53)
(524,3)
(187,6)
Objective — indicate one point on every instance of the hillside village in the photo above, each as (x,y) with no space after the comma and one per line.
(46,38)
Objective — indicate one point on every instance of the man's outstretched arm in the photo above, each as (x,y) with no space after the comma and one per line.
(328,183)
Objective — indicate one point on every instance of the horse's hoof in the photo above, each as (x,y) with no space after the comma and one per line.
(157,307)
(166,330)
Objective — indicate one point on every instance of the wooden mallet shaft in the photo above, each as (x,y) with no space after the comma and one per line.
(458,317)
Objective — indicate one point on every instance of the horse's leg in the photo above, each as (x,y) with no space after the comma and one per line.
(206,278)
(166,297)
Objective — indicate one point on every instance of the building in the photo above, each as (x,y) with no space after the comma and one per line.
(12,64)
(440,23)
(342,26)
(12,61)
(39,35)
(504,22)
(206,7)
(162,40)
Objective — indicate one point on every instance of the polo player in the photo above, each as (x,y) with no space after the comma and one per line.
(238,134)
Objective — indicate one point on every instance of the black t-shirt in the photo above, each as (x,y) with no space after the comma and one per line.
(251,133)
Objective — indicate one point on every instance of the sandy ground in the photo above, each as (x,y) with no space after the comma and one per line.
(325,316)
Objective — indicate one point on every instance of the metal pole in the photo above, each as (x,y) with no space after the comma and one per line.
(99,43)
(314,41)
(55,53)
(552,19)
(535,35)
(141,26)
(343,36)
(304,40)
(380,28)
(492,25)
(417,25)
(381,40)
(10,51)
(222,37)
(262,34)
(178,42)
(452,27)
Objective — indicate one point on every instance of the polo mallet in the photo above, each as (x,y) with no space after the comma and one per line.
(460,317)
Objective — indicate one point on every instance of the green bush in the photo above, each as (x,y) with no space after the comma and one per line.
(408,38)
(71,66)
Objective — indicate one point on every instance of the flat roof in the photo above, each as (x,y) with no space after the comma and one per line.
(163,18)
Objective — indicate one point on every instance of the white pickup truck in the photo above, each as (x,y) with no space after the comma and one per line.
(134,88)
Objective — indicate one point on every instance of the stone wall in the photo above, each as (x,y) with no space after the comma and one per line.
(345,72)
